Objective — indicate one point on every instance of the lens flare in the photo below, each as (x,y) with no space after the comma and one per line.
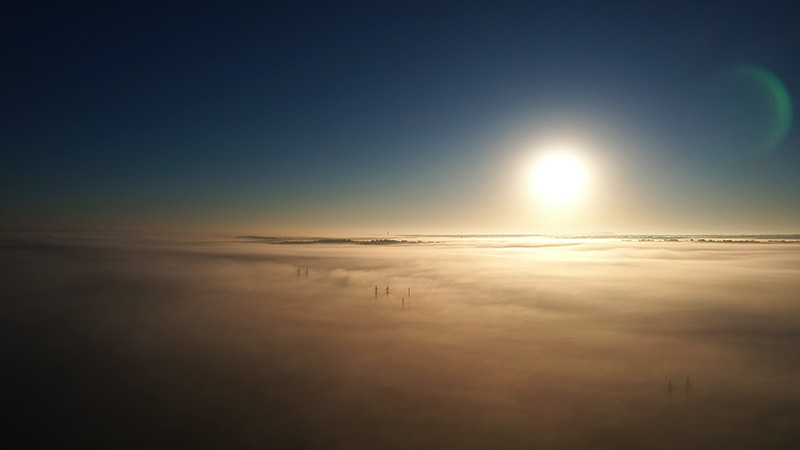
(778,96)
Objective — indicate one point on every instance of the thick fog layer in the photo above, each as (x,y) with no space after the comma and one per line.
(182,341)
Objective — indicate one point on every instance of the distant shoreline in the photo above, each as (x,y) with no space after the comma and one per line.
(755,239)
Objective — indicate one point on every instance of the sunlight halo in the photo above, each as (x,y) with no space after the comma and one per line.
(559,179)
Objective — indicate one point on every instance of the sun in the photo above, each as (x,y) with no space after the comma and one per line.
(559,179)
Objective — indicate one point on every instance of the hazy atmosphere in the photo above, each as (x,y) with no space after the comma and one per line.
(125,341)
(400,225)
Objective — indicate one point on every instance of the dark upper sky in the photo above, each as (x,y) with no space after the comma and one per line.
(365,117)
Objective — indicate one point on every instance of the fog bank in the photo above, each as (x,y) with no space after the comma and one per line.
(131,341)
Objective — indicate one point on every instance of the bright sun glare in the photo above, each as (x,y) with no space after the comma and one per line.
(559,179)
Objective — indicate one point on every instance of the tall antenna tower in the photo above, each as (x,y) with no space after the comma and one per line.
(669,392)
(688,389)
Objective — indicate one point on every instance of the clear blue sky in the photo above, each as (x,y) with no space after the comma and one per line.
(374,116)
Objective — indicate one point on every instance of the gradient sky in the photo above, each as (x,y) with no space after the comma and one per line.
(402,117)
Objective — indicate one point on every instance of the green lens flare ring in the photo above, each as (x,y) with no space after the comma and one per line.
(779,94)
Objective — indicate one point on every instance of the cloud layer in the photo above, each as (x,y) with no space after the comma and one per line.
(126,341)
